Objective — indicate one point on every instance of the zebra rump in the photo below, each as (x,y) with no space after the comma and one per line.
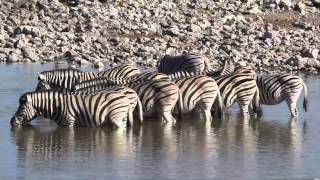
(101,84)
(186,62)
(198,91)
(92,110)
(238,86)
(276,88)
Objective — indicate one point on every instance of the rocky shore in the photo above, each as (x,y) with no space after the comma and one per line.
(266,34)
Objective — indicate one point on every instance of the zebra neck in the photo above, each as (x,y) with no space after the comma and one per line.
(49,104)
(86,76)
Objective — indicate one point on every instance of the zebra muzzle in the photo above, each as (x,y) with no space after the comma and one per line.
(16,121)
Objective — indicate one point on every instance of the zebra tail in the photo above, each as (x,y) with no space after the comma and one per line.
(305,100)
(256,104)
(220,105)
(140,110)
(180,105)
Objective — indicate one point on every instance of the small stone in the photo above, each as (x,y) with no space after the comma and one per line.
(13,57)
(310,53)
(255,10)
(195,28)
(98,64)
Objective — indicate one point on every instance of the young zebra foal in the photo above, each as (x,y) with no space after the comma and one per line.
(66,109)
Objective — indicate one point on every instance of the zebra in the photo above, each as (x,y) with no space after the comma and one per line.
(185,62)
(276,88)
(239,86)
(198,91)
(157,96)
(95,86)
(91,110)
(122,71)
(66,78)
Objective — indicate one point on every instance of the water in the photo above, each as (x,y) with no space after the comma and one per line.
(274,147)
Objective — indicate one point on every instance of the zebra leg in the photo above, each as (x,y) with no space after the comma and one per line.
(244,107)
(119,123)
(130,118)
(206,114)
(292,107)
(167,117)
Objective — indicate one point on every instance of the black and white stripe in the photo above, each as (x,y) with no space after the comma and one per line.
(66,78)
(97,85)
(277,88)
(238,87)
(157,96)
(185,62)
(91,110)
(198,92)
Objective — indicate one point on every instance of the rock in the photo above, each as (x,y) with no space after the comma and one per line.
(195,28)
(316,3)
(296,61)
(310,53)
(34,31)
(13,57)
(98,64)
(31,54)
(301,7)
(255,10)
(313,63)
(173,31)
(286,4)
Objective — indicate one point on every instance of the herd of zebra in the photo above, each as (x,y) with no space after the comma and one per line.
(182,84)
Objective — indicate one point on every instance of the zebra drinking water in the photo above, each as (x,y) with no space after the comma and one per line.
(92,110)
(95,86)
(157,96)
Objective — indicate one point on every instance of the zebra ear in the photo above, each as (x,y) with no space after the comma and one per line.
(23,99)
(41,77)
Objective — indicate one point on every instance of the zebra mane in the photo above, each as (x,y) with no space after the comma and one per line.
(60,70)
(57,90)
(182,75)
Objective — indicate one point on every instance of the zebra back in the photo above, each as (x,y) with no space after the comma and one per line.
(57,78)
(186,62)
(123,71)
(66,109)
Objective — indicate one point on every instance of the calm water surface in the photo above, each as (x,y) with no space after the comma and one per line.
(273,147)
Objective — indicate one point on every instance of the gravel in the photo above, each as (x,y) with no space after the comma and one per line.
(277,35)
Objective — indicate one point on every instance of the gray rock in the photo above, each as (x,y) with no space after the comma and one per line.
(296,61)
(313,63)
(31,54)
(13,57)
(310,53)
(316,2)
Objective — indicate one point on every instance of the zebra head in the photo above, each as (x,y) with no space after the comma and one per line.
(42,83)
(26,112)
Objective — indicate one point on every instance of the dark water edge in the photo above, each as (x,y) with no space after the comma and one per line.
(273,147)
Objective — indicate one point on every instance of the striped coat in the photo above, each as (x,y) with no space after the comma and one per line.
(158,97)
(277,88)
(186,62)
(93,110)
(66,78)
